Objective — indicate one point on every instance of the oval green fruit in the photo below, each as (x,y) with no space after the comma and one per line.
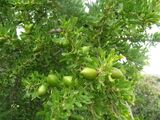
(76,117)
(117,73)
(65,43)
(52,80)
(89,73)
(67,80)
(42,90)
(85,49)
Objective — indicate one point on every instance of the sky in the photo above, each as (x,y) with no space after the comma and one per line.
(153,67)
(154,61)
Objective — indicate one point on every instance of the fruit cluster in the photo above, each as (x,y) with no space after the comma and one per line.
(88,73)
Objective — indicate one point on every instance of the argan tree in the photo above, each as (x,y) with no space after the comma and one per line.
(68,64)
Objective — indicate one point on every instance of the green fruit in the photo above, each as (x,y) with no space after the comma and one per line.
(52,80)
(85,49)
(116,73)
(62,42)
(65,43)
(67,80)
(89,73)
(76,117)
(42,90)
(28,28)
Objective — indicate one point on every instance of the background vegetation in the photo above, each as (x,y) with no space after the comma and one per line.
(147,103)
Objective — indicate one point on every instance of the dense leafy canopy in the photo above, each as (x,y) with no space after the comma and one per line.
(60,38)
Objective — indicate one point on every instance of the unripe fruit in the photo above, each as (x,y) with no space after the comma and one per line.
(116,73)
(85,49)
(76,117)
(89,73)
(42,90)
(52,80)
(67,80)
(28,28)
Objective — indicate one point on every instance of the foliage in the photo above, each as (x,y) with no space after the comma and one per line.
(60,38)
(156,37)
(147,104)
